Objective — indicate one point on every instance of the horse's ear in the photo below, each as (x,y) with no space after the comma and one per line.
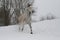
(28,5)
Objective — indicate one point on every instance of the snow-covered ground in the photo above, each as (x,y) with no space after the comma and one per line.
(43,30)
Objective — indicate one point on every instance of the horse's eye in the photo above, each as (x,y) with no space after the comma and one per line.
(29,13)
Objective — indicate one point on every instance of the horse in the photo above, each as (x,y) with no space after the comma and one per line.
(25,18)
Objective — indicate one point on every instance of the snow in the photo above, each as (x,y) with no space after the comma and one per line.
(43,30)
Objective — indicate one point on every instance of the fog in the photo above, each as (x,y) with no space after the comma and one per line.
(47,6)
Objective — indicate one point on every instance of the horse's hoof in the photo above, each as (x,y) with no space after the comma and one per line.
(31,32)
(22,29)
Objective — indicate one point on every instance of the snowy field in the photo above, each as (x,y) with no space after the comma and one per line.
(43,30)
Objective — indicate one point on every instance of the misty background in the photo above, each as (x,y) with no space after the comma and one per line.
(47,7)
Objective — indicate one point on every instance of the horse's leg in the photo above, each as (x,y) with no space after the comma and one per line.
(22,27)
(30,28)
(19,28)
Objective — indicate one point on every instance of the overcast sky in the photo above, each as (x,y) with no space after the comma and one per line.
(48,6)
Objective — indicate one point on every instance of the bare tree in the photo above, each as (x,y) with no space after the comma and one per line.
(19,6)
(6,10)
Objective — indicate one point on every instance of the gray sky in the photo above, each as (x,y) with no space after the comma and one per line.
(47,6)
